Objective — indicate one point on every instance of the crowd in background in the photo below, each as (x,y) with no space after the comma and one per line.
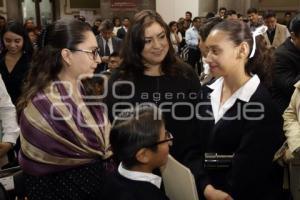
(227,62)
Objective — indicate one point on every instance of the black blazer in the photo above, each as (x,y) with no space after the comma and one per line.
(121,33)
(251,135)
(175,94)
(117,187)
(286,73)
(116,43)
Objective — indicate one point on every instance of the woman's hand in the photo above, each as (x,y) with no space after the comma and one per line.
(211,193)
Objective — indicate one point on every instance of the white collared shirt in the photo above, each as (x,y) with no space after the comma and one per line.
(140,176)
(244,93)
(192,37)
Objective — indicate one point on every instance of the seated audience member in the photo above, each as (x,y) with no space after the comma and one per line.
(9,129)
(276,33)
(237,120)
(287,67)
(141,143)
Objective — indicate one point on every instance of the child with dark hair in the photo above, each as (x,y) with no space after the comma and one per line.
(237,119)
(140,142)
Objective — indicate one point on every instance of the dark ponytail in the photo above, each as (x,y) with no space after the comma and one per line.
(262,62)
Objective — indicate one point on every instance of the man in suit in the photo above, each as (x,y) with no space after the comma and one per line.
(286,66)
(287,74)
(107,44)
(276,33)
(123,30)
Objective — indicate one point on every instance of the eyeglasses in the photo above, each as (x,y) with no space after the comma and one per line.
(169,138)
(94,52)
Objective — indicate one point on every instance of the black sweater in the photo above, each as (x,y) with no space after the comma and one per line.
(175,95)
(117,187)
(15,79)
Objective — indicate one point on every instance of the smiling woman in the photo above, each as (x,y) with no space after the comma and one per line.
(150,64)
(237,117)
(14,64)
(53,112)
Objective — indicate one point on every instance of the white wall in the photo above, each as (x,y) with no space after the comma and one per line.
(172,10)
(240,6)
(206,6)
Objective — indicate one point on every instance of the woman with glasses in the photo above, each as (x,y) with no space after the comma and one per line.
(140,142)
(64,140)
(150,73)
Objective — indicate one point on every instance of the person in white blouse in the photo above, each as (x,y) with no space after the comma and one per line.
(237,120)
(175,36)
(9,129)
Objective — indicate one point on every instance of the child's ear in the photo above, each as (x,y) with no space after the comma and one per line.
(244,50)
(143,156)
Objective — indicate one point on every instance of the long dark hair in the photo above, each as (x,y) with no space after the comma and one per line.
(262,61)
(132,63)
(17,28)
(47,62)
